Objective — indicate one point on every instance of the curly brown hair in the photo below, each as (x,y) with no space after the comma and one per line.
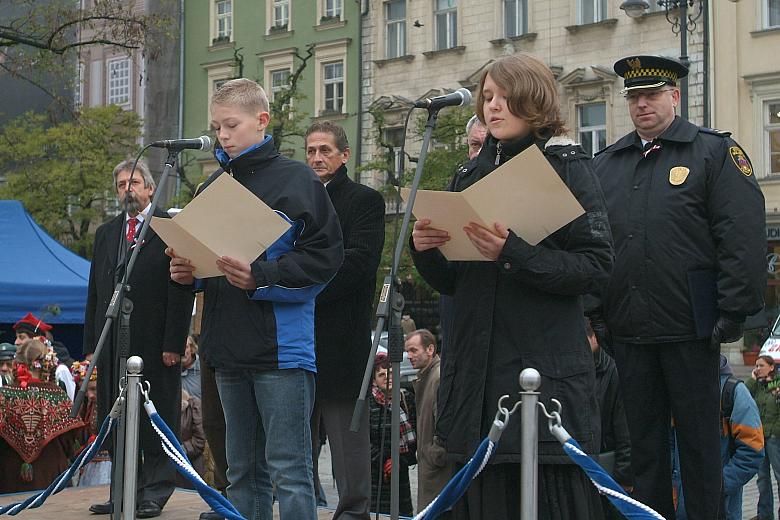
(531,93)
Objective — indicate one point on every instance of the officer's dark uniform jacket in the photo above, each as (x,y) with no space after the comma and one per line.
(687,215)
(524,310)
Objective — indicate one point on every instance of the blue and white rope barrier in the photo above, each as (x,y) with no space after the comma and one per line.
(176,453)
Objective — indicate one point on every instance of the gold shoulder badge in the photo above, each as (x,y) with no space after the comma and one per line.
(741,161)
(678,174)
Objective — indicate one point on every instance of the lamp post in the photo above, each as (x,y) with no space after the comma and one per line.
(683,15)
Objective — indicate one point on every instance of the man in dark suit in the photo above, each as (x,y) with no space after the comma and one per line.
(159,325)
(343,320)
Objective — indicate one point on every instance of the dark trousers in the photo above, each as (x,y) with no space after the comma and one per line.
(214,425)
(350,456)
(673,381)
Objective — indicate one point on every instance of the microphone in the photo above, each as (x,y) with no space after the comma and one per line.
(201,143)
(459,98)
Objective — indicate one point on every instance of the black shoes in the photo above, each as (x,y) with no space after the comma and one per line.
(102,509)
(148,509)
(211,515)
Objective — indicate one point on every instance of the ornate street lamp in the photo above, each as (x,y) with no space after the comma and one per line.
(683,15)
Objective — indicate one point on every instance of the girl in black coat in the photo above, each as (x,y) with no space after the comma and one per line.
(521,307)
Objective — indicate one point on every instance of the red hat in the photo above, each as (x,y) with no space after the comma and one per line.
(31,324)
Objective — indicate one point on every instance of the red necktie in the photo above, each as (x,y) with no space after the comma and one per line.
(132,222)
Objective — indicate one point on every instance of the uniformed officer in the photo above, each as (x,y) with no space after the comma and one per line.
(687,218)
(7,354)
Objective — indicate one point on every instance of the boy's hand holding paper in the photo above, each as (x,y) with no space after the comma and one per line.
(525,194)
(225,220)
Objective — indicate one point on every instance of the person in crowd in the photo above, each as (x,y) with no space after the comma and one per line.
(521,307)
(433,472)
(687,216)
(159,325)
(32,327)
(96,472)
(37,434)
(190,368)
(615,455)
(764,386)
(343,317)
(741,443)
(258,320)
(476,131)
(7,354)
(29,327)
(382,437)
(192,439)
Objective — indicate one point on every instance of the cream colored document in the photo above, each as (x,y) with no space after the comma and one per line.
(226,219)
(525,194)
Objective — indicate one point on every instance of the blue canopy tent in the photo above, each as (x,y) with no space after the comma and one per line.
(37,273)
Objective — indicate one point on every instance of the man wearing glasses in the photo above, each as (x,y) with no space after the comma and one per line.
(687,218)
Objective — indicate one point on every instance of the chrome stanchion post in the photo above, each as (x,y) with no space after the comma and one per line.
(135,366)
(530,381)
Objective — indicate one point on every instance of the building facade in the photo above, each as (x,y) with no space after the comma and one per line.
(746,100)
(144,81)
(417,49)
(268,42)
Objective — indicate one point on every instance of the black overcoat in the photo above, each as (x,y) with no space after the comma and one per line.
(524,310)
(344,308)
(159,323)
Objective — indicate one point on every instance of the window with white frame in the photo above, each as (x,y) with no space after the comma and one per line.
(446,16)
(223,20)
(771,13)
(593,126)
(333,81)
(591,11)
(395,29)
(772,132)
(280,79)
(332,8)
(515,17)
(118,81)
(281,13)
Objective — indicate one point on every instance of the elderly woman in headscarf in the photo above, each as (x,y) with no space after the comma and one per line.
(37,434)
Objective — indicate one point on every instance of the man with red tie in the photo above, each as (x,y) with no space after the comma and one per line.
(159,325)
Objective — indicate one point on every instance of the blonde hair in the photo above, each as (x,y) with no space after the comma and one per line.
(242,93)
(531,93)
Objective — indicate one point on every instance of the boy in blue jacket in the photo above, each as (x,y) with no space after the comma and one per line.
(258,319)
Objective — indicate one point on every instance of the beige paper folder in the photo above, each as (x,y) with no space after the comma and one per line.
(226,219)
(525,194)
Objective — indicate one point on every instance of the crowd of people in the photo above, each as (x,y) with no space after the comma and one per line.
(622,311)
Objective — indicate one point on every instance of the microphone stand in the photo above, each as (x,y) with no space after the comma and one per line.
(120,302)
(389,310)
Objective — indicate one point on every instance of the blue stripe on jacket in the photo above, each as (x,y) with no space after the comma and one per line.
(293,308)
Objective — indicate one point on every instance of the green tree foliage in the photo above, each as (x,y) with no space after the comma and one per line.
(62,173)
